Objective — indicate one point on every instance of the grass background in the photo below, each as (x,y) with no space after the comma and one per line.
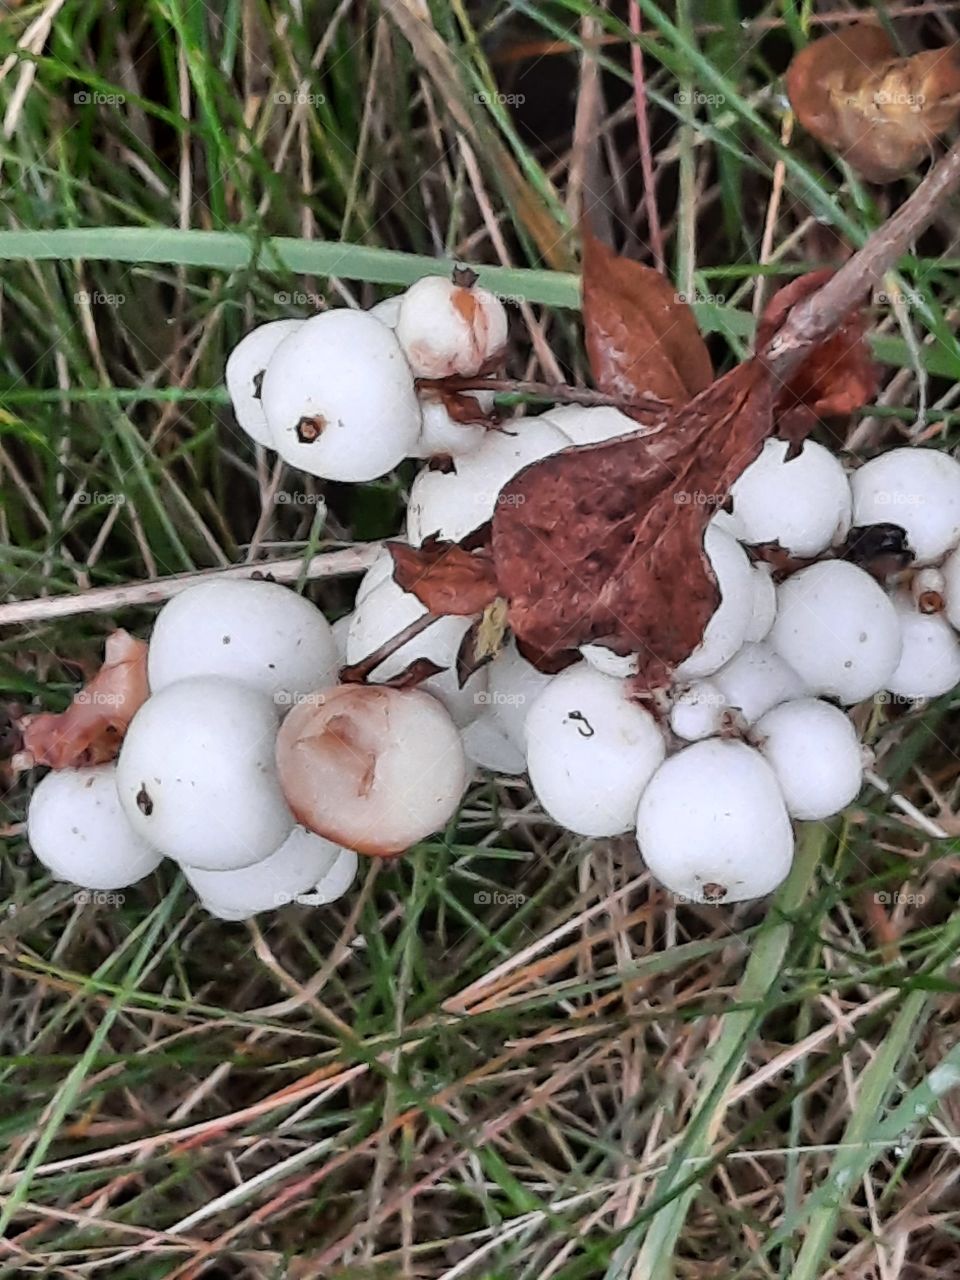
(510,1055)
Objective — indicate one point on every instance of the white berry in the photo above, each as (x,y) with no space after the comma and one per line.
(78,830)
(488,747)
(916,488)
(838,630)
(259,633)
(443,436)
(388,610)
(756,679)
(297,867)
(372,768)
(930,659)
(447,329)
(803,504)
(698,710)
(196,775)
(590,751)
(452,503)
(513,686)
(814,750)
(712,824)
(244,373)
(339,398)
(764,602)
(591,424)
(727,628)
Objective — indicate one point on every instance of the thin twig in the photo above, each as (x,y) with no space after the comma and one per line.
(327,564)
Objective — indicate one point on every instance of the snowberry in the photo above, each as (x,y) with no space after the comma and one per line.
(340,630)
(513,686)
(837,629)
(803,504)
(918,489)
(196,775)
(590,751)
(814,750)
(928,588)
(246,366)
(259,633)
(339,877)
(712,825)
(764,602)
(339,398)
(951,588)
(930,658)
(80,833)
(373,768)
(698,710)
(379,571)
(298,866)
(592,424)
(455,501)
(443,436)
(447,328)
(487,746)
(386,611)
(387,310)
(727,629)
(756,679)
(610,663)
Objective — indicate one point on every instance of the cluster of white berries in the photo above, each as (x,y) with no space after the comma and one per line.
(263,776)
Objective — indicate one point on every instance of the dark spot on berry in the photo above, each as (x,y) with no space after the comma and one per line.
(258,384)
(309,430)
(226,639)
(585,729)
(714,892)
(144,803)
(464,277)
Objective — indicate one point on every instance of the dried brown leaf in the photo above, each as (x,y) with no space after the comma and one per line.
(881,112)
(641,338)
(605,543)
(444,577)
(837,378)
(91,729)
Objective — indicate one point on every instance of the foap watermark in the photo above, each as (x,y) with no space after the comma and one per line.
(299,98)
(510,499)
(99,898)
(300,299)
(100,498)
(500,99)
(99,698)
(702,299)
(285,499)
(286,698)
(498,898)
(494,698)
(97,98)
(97,298)
(696,98)
(895,898)
(698,498)
(898,498)
(899,297)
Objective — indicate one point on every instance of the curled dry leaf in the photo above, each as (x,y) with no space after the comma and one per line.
(444,577)
(641,337)
(881,112)
(604,543)
(837,378)
(91,729)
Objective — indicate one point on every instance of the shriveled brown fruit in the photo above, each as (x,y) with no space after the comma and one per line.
(373,768)
(837,378)
(91,729)
(641,339)
(881,112)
